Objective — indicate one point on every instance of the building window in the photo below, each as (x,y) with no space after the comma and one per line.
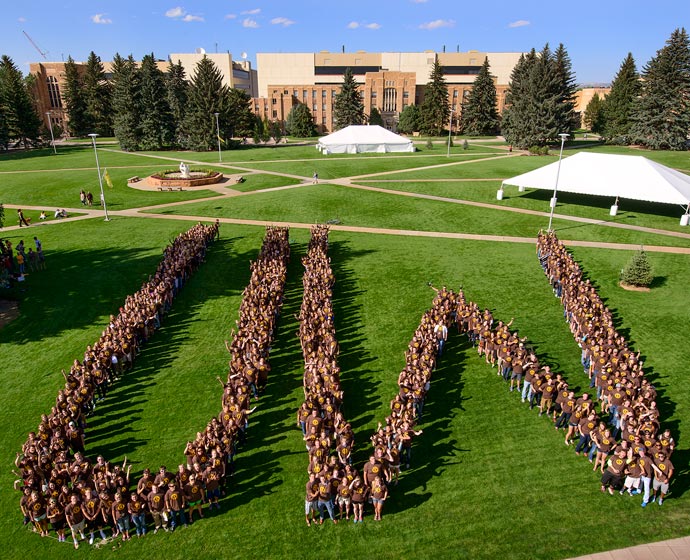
(274,101)
(373,95)
(455,93)
(390,99)
(304,93)
(323,120)
(323,107)
(314,107)
(275,114)
(295,93)
(332,93)
(324,93)
(285,92)
(313,93)
(406,94)
(54,93)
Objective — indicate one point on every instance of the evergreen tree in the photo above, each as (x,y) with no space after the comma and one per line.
(4,127)
(480,114)
(240,117)
(176,93)
(618,105)
(265,130)
(409,120)
(207,95)
(276,131)
(375,117)
(566,118)
(125,102)
(661,118)
(21,121)
(300,122)
(348,107)
(75,100)
(435,108)
(638,272)
(594,114)
(533,101)
(97,96)
(156,122)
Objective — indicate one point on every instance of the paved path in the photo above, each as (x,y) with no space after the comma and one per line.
(674,549)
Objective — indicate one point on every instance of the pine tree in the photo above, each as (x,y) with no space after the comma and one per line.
(533,100)
(207,95)
(300,122)
(619,103)
(594,114)
(125,102)
(156,122)
(21,121)
(375,117)
(240,117)
(265,130)
(566,87)
(176,93)
(97,96)
(480,113)
(348,107)
(75,100)
(409,120)
(4,127)
(661,117)
(276,131)
(435,107)
(638,272)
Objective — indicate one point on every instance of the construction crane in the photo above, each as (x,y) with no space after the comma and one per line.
(43,54)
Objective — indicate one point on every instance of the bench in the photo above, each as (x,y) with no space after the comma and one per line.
(169,189)
(134,179)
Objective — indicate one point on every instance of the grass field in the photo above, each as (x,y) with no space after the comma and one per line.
(489,478)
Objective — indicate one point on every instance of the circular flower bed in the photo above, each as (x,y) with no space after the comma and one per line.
(196,178)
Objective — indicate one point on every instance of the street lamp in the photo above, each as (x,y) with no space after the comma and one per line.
(220,156)
(450,128)
(563,136)
(52,138)
(100,179)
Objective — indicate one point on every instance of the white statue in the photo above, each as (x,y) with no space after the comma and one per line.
(184,169)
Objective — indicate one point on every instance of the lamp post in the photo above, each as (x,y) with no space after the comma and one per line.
(450,128)
(52,138)
(563,136)
(100,179)
(220,156)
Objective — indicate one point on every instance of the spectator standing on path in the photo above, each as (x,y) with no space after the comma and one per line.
(89,198)
(82,197)
(22,219)
(315,178)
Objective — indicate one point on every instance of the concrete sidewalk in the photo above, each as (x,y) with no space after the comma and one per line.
(674,549)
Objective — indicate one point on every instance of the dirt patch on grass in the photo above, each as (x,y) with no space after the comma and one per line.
(9,311)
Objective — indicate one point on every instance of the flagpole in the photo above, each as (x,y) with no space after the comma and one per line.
(220,156)
(100,179)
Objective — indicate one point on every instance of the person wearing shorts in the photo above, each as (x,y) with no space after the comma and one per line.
(344,498)
(194,492)
(75,519)
(56,517)
(663,471)
(359,496)
(379,493)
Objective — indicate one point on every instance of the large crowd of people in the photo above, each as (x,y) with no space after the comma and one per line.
(63,489)
(616,423)
(16,262)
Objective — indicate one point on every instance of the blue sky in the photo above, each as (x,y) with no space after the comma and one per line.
(597,35)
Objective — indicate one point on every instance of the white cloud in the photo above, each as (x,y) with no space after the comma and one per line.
(174,12)
(353,25)
(98,18)
(248,22)
(519,23)
(230,16)
(285,22)
(190,17)
(437,23)
(419,1)
(251,12)
(21,19)
(373,26)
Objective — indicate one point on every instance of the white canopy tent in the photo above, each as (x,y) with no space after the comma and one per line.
(633,177)
(364,139)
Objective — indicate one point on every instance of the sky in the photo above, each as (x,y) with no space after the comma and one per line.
(597,36)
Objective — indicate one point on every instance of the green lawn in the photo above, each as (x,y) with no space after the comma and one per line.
(323,202)
(490,479)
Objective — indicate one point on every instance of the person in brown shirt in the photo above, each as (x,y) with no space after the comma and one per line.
(56,517)
(311,500)
(174,505)
(75,519)
(91,506)
(156,504)
(379,493)
(121,516)
(663,471)
(194,492)
(137,512)
(359,496)
(613,475)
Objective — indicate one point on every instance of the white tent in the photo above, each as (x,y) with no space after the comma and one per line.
(364,139)
(634,177)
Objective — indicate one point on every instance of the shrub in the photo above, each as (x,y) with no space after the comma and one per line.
(429,144)
(638,272)
(465,145)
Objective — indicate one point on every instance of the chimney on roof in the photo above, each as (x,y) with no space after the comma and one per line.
(444,48)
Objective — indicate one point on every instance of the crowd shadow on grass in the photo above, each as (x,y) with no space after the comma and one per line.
(217,278)
(59,298)
(258,463)
(434,450)
(360,392)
